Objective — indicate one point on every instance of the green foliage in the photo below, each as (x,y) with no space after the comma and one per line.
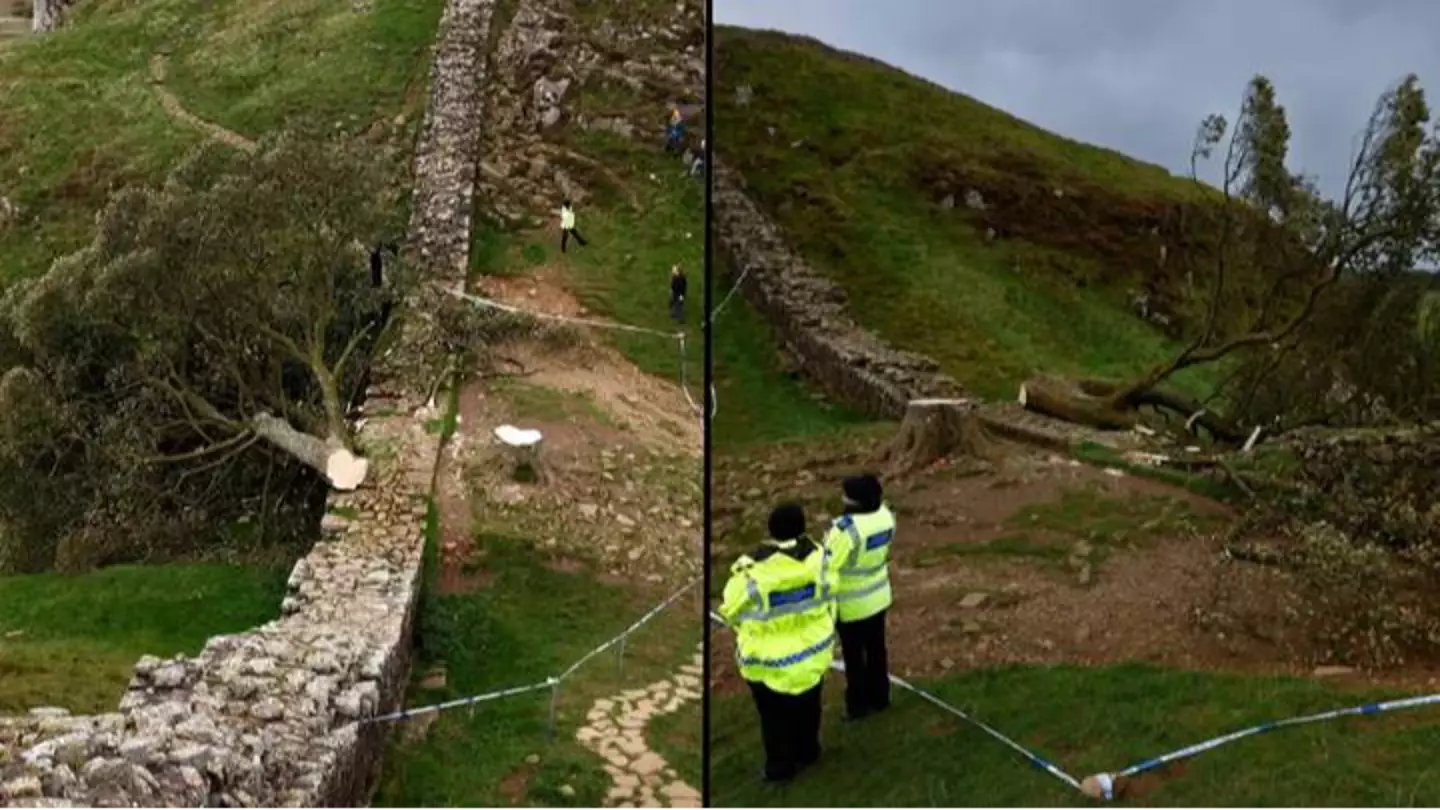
(237,289)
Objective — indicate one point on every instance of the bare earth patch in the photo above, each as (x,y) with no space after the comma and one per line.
(1047,561)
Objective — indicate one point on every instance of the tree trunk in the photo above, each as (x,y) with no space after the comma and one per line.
(344,470)
(1082,402)
(1107,405)
(934,429)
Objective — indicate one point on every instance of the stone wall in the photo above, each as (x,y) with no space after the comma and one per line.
(808,313)
(269,717)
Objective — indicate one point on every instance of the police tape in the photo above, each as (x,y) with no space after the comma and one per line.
(511,308)
(1036,760)
(715,313)
(678,336)
(1215,742)
(552,683)
(1105,782)
(685,386)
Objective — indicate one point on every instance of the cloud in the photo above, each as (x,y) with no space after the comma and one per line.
(1139,75)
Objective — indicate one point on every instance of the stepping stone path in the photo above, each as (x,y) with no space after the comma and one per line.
(615,730)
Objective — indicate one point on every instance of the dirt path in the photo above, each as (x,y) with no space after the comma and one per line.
(615,731)
(172,105)
(621,488)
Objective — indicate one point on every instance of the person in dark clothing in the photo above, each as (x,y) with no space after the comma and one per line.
(859,542)
(677,294)
(787,697)
(567,226)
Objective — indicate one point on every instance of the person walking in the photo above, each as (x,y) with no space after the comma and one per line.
(858,548)
(567,226)
(675,131)
(677,294)
(785,639)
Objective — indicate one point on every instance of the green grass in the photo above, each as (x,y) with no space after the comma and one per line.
(1086,525)
(72,640)
(79,117)
(758,400)
(256,66)
(527,623)
(852,199)
(539,402)
(677,737)
(624,272)
(1087,721)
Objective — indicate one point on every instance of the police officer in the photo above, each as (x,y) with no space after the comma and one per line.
(858,548)
(785,639)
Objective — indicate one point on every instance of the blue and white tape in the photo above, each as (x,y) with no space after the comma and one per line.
(1105,782)
(551,683)
(1036,760)
(1215,742)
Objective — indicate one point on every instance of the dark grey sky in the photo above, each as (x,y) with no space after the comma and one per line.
(1138,75)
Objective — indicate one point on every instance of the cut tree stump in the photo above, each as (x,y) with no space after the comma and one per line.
(934,429)
(524,449)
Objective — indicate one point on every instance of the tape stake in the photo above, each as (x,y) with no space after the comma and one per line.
(554,705)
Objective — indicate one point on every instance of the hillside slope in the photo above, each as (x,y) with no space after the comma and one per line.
(81,112)
(971,236)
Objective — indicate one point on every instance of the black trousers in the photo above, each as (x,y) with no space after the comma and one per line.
(789,728)
(566,233)
(677,309)
(867,668)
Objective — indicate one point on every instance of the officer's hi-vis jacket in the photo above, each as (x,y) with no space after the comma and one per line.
(858,547)
(784,621)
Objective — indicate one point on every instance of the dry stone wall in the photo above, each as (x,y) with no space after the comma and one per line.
(808,312)
(270,717)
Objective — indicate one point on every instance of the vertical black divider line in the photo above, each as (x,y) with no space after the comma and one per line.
(709,403)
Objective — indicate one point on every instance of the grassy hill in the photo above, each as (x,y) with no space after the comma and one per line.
(870,185)
(80,116)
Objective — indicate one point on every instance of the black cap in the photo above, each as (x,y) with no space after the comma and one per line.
(864,490)
(787,522)
(565,203)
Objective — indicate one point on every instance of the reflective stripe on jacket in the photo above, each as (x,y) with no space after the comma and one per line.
(859,548)
(785,625)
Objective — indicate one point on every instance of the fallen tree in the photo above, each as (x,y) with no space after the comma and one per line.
(1278,223)
(212,323)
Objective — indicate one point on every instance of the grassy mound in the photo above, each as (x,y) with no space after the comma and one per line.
(871,186)
(79,116)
